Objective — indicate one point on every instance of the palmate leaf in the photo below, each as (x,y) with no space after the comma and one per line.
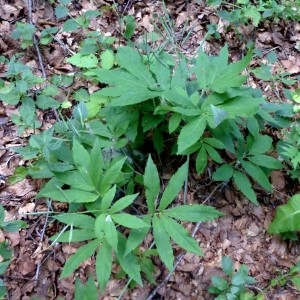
(214,73)
(287,217)
(125,88)
(80,255)
(132,83)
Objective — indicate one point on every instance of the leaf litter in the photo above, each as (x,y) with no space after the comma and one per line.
(240,234)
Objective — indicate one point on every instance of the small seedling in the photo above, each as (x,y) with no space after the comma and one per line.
(233,284)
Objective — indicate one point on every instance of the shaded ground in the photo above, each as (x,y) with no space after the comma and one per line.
(241,234)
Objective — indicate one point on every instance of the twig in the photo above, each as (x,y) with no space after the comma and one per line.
(35,41)
(64,46)
(252,287)
(38,267)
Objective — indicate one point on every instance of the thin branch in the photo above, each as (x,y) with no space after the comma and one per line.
(35,41)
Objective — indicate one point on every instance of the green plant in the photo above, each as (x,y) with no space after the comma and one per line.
(95,160)
(208,106)
(232,286)
(24,32)
(292,275)
(103,229)
(287,217)
(245,11)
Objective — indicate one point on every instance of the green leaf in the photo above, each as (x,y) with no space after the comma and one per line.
(122,203)
(104,264)
(129,263)
(241,277)
(180,235)
(110,232)
(2,214)
(214,73)
(227,266)
(3,266)
(152,184)
(214,143)
(111,174)
(287,217)
(214,155)
(174,186)
(191,133)
(76,179)
(129,221)
(243,184)
(162,242)
(296,95)
(223,173)
(130,26)
(61,11)
(265,161)
(108,198)
(174,122)
(13,226)
(74,235)
(71,196)
(107,59)
(296,281)
(220,283)
(86,292)
(77,220)
(135,238)
(193,213)
(130,84)
(219,115)
(124,88)
(261,144)
(80,255)
(201,160)
(44,102)
(257,174)
(253,126)
(87,61)
(81,156)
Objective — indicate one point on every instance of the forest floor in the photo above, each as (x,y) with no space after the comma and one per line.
(241,234)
